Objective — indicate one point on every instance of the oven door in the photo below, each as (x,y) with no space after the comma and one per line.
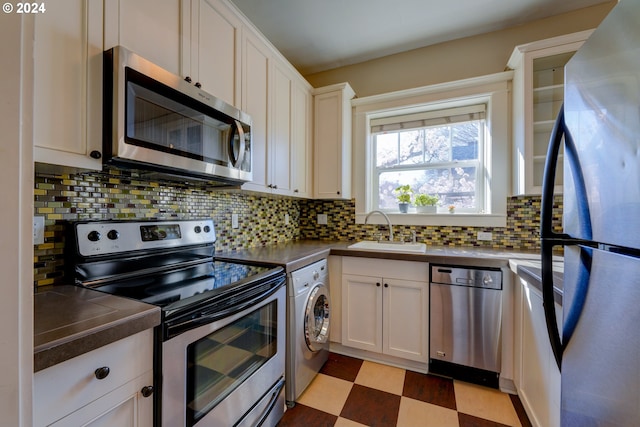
(227,372)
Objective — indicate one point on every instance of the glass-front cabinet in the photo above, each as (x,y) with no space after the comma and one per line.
(538,93)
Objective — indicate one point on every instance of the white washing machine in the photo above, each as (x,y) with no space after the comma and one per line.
(308,317)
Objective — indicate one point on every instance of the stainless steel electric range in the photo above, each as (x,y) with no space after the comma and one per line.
(220,350)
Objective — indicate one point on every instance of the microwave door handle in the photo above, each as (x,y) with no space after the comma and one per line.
(237,160)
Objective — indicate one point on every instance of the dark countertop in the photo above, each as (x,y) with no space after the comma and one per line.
(531,272)
(291,255)
(70,321)
(297,254)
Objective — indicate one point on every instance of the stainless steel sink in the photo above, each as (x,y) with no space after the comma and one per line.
(369,245)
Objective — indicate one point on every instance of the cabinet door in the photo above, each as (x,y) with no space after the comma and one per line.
(538,93)
(215,53)
(406,319)
(332,142)
(301,140)
(68,84)
(255,102)
(539,376)
(72,385)
(327,146)
(156,30)
(362,312)
(123,407)
(280,142)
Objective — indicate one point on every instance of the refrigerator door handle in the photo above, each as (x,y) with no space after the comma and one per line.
(549,178)
(549,238)
(548,302)
(579,295)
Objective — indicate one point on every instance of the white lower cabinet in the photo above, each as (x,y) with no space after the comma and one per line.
(538,375)
(78,393)
(123,407)
(385,307)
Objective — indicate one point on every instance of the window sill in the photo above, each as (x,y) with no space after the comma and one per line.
(438,219)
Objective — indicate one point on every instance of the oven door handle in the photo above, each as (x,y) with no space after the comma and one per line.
(176,327)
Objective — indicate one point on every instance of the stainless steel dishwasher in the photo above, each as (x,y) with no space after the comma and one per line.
(465,323)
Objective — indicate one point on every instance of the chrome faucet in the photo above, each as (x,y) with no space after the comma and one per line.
(385,217)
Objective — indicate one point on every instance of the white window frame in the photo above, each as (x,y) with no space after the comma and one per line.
(494,90)
(438,113)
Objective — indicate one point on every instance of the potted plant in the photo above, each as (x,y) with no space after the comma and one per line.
(403,194)
(425,203)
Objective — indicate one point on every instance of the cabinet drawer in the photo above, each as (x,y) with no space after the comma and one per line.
(70,385)
(390,269)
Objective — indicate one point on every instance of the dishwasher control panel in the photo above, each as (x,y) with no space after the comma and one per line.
(464,276)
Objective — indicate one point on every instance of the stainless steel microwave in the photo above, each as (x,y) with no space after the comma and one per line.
(156,121)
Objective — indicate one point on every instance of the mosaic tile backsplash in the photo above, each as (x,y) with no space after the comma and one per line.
(125,195)
(521,232)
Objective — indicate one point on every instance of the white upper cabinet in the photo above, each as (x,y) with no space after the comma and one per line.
(280,135)
(67,116)
(301,130)
(208,42)
(215,58)
(332,141)
(156,30)
(279,103)
(196,39)
(255,102)
(538,93)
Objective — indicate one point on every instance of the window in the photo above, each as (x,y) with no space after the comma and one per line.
(439,153)
(450,140)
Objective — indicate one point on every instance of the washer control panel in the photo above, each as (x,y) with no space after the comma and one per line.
(304,278)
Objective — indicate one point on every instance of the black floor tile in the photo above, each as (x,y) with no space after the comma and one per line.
(343,367)
(430,389)
(304,416)
(371,407)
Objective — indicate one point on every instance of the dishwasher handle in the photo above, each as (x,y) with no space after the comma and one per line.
(484,278)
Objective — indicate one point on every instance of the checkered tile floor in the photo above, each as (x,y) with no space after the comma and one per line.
(349,392)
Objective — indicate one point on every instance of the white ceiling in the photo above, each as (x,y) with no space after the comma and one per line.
(317,35)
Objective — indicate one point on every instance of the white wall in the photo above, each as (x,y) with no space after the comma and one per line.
(16,243)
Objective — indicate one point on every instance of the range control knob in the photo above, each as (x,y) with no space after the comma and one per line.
(94,236)
(207,229)
(113,234)
(197,229)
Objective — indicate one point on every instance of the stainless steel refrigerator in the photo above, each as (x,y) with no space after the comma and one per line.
(598,346)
